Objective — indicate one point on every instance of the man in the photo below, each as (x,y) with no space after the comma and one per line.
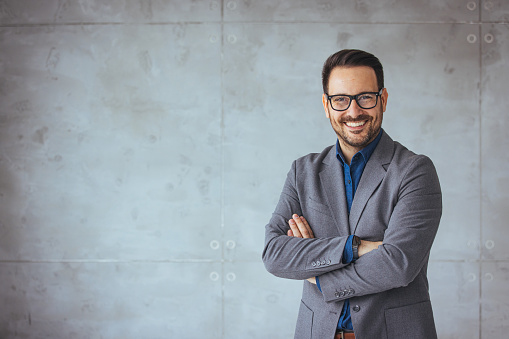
(357,220)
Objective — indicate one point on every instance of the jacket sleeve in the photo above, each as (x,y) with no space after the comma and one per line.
(407,239)
(297,258)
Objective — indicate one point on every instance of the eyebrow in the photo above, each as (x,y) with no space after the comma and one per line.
(331,95)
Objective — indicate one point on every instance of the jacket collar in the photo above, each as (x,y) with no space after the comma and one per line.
(332,179)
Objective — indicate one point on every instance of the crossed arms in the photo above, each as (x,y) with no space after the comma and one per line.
(299,228)
(407,227)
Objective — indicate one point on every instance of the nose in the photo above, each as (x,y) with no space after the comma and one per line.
(355,109)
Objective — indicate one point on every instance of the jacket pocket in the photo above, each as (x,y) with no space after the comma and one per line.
(412,321)
(304,326)
(319,207)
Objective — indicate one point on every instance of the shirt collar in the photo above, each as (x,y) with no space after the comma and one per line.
(365,152)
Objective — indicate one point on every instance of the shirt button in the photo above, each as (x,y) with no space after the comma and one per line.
(349,181)
(356,308)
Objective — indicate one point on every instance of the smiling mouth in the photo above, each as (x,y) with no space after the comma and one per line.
(355,123)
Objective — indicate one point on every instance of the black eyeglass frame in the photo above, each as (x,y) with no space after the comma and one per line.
(354,97)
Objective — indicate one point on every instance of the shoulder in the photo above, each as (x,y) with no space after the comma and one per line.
(404,158)
(394,157)
(413,171)
(315,160)
(401,163)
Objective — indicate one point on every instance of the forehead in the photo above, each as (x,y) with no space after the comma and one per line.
(352,80)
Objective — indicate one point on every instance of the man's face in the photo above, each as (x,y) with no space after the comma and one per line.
(356,127)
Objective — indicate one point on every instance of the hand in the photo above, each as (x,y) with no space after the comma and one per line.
(368,246)
(299,228)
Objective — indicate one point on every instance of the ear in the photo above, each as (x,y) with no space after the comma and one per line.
(384,97)
(325,103)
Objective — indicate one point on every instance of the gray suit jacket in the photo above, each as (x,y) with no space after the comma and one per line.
(399,201)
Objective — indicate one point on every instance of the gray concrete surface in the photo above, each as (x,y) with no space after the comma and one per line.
(144,144)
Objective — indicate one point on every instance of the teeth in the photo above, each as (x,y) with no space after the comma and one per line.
(355,124)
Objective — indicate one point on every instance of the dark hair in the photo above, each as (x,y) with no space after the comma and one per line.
(352,58)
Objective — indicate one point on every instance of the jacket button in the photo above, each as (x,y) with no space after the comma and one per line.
(337,294)
(328,262)
(318,263)
(323,262)
(313,264)
(356,308)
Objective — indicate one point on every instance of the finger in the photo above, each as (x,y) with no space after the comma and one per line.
(294,228)
(303,229)
(290,233)
(307,226)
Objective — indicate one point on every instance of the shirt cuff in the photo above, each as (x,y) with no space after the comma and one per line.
(348,251)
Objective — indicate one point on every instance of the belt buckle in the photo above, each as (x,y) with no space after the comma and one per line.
(341,336)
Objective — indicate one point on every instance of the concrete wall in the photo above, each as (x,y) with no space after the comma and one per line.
(143,146)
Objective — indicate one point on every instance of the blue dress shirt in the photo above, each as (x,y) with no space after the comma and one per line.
(352,174)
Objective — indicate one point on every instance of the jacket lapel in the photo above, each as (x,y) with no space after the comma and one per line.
(333,185)
(373,174)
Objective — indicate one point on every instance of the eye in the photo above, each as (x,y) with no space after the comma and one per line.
(340,99)
(366,96)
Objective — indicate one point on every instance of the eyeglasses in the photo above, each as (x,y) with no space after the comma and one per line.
(365,100)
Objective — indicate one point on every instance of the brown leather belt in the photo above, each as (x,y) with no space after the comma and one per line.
(344,335)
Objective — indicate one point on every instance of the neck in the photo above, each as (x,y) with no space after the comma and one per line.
(348,151)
